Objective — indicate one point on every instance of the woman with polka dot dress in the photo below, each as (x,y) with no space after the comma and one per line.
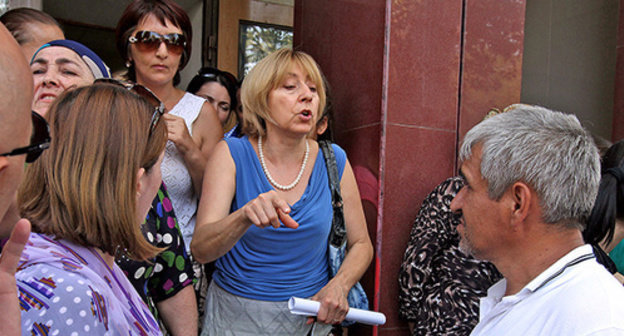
(170,272)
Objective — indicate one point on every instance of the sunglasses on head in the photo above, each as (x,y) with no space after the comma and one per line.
(39,141)
(216,74)
(209,75)
(143,92)
(149,41)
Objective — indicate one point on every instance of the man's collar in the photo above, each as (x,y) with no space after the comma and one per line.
(573,257)
(497,291)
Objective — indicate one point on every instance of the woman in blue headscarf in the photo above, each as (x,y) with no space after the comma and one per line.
(62,65)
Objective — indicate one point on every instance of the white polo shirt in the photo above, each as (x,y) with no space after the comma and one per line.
(574,296)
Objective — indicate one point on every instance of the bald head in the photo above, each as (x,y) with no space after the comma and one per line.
(16,92)
(16,84)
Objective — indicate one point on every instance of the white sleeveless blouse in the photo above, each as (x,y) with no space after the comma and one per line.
(175,174)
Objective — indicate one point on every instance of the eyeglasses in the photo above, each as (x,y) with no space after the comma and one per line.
(143,92)
(39,141)
(150,41)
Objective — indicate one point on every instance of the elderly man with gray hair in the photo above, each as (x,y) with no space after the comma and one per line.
(531,180)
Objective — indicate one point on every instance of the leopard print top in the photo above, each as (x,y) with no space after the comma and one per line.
(439,285)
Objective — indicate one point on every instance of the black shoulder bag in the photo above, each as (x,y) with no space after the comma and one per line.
(337,245)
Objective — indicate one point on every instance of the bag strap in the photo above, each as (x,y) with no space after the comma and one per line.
(338,231)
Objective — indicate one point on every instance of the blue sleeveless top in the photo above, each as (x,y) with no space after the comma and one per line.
(274,264)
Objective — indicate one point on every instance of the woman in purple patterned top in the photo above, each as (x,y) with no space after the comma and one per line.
(86,198)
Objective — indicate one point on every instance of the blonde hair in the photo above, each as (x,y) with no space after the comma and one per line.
(265,77)
(84,187)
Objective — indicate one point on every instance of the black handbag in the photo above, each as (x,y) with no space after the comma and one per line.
(337,244)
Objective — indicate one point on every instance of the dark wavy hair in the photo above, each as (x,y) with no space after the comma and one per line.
(209,74)
(163,10)
(609,204)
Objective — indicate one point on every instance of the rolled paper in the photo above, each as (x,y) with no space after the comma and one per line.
(299,306)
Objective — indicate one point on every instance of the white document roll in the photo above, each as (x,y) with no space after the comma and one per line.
(299,306)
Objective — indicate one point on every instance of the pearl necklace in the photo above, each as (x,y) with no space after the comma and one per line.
(270,178)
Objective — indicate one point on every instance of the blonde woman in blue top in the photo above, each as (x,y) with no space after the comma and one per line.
(265,213)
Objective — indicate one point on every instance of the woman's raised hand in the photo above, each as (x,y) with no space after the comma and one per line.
(178,132)
(268,209)
(9,260)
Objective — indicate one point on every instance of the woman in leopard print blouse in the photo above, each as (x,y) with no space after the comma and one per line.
(439,285)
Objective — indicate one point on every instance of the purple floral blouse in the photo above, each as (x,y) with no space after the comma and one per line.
(68,289)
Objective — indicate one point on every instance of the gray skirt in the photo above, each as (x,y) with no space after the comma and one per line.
(226,314)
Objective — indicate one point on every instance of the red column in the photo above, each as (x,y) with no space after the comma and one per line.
(408,78)
(492,58)
(347,40)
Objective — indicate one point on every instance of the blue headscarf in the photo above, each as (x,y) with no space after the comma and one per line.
(94,62)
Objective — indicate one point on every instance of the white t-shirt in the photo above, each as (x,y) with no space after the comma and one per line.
(574,296)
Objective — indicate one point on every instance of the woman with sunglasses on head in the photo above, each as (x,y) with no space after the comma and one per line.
(219,89)
(82,216)
(154,38)
(63,65)
(164,282)
(266,214)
